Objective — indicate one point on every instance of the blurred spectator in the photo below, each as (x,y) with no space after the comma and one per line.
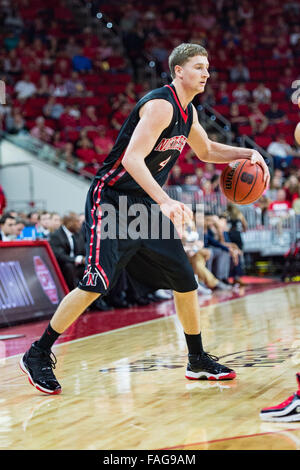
(236,270)
(55,221)
(219,261)
(282,49)
(68,160)
(89,120)
(25,88)
(12,63)
(282,152)
(257,119)
(74,85)
(68,246)
(44,88)
(274,114)
(69,119)
(2,200)
(245,11)
(59,86)
(281,205)
(236,119)
(43,226)
(17,125)
(267,39)
(208,97)
(292,188)
(80,62)
(285,82)
(261,94)
(176,177)
(240,94)
(239,72)
(103,143)
(119,117)
(7,227)
(18,228)
(223,95)
(41,131)
(53,109)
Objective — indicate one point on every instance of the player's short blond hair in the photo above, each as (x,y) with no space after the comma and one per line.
(182,53)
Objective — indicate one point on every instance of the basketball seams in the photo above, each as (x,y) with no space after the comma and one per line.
(252,186)
(237,179)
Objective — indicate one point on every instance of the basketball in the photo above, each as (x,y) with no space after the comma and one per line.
(297,133)
(242,182)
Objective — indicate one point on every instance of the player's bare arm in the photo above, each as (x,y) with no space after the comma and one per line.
(155,116)
(213,152)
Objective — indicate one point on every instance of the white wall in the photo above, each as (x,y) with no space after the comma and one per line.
(60,190)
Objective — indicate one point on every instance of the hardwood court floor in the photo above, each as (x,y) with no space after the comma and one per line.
(125,389)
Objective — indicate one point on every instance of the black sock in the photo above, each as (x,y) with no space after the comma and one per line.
(48,338)
(194,344)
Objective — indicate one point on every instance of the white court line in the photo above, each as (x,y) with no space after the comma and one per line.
(219,304)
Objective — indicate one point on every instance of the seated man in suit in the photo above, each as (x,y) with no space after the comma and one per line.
(7,225)
(68,246)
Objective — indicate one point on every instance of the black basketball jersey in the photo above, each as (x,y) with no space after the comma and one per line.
(165,152)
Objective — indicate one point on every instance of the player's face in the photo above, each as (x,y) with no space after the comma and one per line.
(194,73)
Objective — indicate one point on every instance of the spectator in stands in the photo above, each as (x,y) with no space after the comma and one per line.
(292,188)
(239,72)
(69,119)
(282,49)
(17,125)
(41,131)
(53,109)
(68,246)
(236,252)
(119,117)
(208,97)
(25,88)
(89,120)
(103,143)
(267,39)
(68,161)
(282,152)
(55,221)
(44,87)
(219,261)
(236,120)
(12,63)
(257,119)
(240,94)
(7,227)
(75,86)
(80,62)
(285,82)
(245,11)
(43,226)
(261,94)
(281,205)
(18,228)
(223,96)
(59,86)
(72,48)
(274,114)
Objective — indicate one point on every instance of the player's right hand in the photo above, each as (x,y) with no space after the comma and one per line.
(178,213)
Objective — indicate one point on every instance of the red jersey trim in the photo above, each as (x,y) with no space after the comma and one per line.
(184,114)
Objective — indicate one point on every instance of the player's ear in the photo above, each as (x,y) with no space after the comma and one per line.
(178,70)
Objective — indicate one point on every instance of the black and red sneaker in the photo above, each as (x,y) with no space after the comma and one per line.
(205,366)
(287,411)
(38,364)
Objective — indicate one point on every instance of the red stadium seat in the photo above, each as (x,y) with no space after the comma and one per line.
(245,130)
(263,141)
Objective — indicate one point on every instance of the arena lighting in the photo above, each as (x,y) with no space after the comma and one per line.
(109,25)
(152,64)
(99,15)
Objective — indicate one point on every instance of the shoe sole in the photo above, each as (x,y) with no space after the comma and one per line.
(38,387)
(207,376)
(280,419)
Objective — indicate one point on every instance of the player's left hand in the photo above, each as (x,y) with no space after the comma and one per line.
(256,157)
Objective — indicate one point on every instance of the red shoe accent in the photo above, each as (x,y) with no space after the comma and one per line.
(281,405)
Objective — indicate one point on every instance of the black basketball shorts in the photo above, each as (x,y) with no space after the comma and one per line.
(125,230)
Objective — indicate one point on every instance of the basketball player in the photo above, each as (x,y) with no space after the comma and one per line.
(148,145)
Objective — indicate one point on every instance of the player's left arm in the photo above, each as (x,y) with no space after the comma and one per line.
(209,151)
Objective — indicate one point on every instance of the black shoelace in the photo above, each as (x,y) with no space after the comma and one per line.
(50,361)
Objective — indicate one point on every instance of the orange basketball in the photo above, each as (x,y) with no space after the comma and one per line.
(242,182)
